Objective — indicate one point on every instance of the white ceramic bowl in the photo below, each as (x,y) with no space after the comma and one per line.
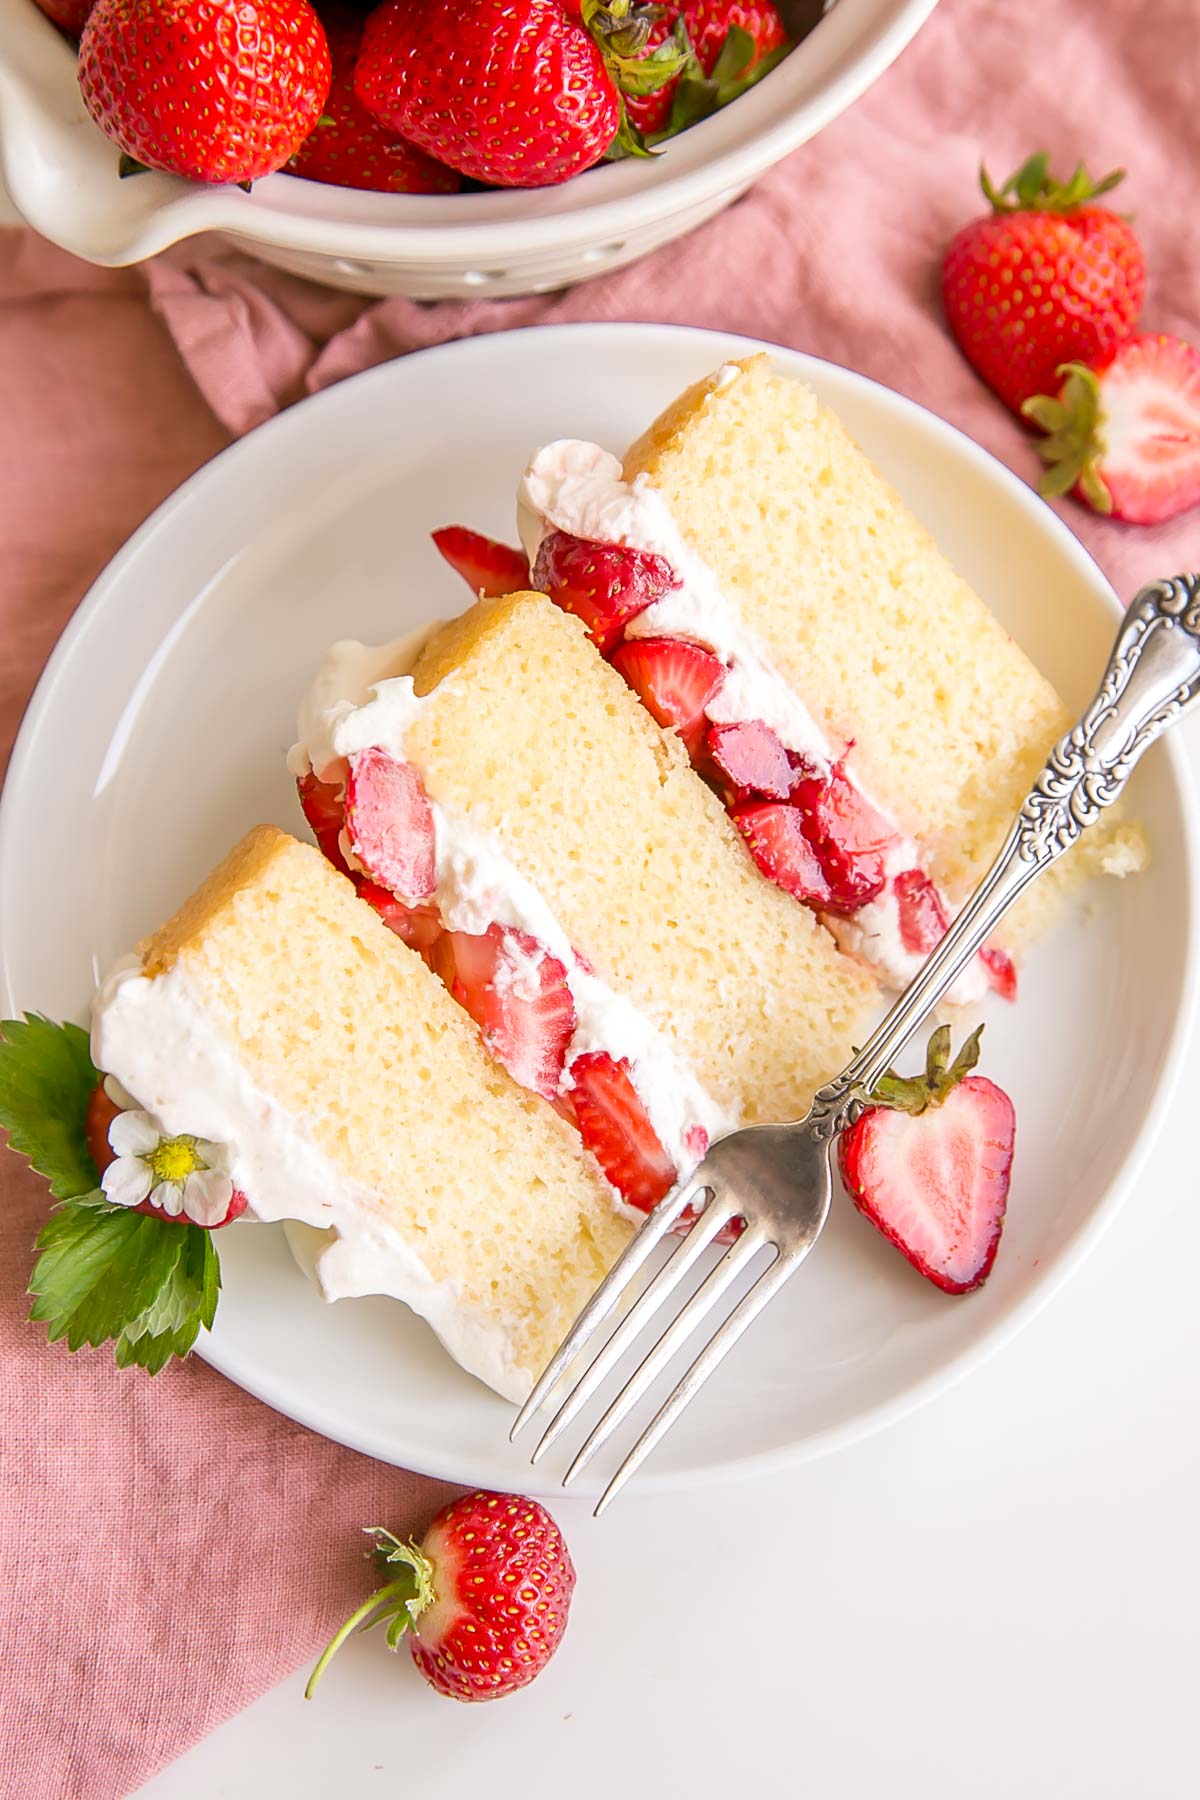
(61,174)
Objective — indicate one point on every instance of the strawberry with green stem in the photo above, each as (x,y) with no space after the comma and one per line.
(732,44)
(520,94)
(1047,277)
(482,1602)
(1124,436)
(929,1162)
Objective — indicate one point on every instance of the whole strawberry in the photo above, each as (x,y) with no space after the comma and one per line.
(731,41)
(1125,437)
(929,1163)
(348,147)
(482,1600)
(220,90)
(1047,277)
(515,93)
(69,15)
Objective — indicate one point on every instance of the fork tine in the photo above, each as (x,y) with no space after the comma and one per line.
(678,1331)
(723,1339)
(699,1236)
(608,1294)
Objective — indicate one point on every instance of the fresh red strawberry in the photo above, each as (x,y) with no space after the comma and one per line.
(419,926)
(750,760)
(929,1163)
(69,15)
(1125,436)
(482,1600)
(775,836)
(349,148)
(1001,970)
(390,824)
(675,681)
(486,566)
(605,585)
(848,834)
(1045,278)
(101,1112)
(710,82)
(516,95)
(924,920)
(617,1130)
(324,804)
(221,90)
(517,994)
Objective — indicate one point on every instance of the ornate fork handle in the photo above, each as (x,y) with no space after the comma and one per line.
(1153,677)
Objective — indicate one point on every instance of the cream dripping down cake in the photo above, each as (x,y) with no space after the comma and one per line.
(276,1016)
(868,722)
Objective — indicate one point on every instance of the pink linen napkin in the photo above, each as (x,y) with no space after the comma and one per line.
(172,1549)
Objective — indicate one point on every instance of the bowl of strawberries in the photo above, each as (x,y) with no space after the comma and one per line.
(436,148)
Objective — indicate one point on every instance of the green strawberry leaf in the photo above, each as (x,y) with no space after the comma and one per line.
(108,1272)
(628,141)
(187,1300)
(46,1081)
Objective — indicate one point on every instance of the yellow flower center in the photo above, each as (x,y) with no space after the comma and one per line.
(174,1160)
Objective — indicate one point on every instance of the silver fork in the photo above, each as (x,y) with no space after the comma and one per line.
(778,1178)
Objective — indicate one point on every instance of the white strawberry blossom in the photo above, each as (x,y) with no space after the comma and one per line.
(187,1175)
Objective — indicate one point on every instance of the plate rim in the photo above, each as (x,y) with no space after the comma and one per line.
(1056,1269)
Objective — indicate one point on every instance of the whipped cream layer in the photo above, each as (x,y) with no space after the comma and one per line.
(163,1046)
(363,699)
(580,489)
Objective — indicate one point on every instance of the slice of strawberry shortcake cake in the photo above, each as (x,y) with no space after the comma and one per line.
(514,813)
(866,720)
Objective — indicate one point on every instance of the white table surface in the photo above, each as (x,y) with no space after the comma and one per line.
(996,1597)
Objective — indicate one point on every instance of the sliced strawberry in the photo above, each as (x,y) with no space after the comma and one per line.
(390,824)
(924,920)
(419,926)
(487,567)
(605,585)
(617,1130)
(517,994)
(774,834)
(848,834)
(675,681)
(324,804)
(750,760)
(1124,435)
(1001,970)
(930,1167)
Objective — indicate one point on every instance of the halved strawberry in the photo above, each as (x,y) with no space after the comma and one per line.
(848,834)
(390,824)
(487,566)
(605,585)
(617,1130)
(774,834)
(929,1164)
(924,920)
(1124,436)
(517,994)
(751,760)
(1001,970)
(419,926)
(324,804)
(675,681)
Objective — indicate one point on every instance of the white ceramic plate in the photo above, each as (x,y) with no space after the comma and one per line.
(158,735)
